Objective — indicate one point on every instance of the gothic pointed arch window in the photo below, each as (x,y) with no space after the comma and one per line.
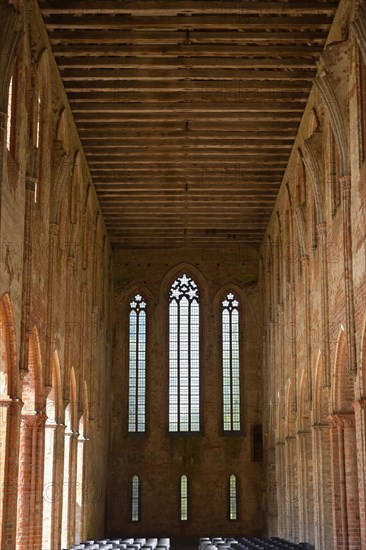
(137,365)
(231,362)
(184,350)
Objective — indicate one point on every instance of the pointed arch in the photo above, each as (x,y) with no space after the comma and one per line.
(60,133)
(331,105)
(312,154)
(32,394)
(8,357)
(231,357)
(192,272)
(75,192)
(314,122)
(138,312)
(321,405)
(138,288)
(301,230)
(343,385)
(184,354)
(304,408)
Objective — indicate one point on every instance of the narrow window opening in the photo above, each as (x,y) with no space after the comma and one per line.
(135,499)
(233,513)
(184,498)
(231,363)
(137,365)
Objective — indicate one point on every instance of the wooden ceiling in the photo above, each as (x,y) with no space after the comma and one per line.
(187,110)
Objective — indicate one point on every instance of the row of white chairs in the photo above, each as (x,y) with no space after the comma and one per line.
(124,544)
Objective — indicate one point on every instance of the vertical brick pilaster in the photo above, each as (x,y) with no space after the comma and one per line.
(360,427)
(3,120)
(292,517)
(53,236)
(351,481)
(281,487)
(13,410)
(305,269)
(305,487)
(348,273)
(322,238)
(322,490)
(29,524)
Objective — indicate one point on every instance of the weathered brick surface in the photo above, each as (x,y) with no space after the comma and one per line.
(54,301)
(327,357)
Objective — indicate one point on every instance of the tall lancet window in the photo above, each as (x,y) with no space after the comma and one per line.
(233,512)
(183,498)
(184,375)
(135,499)
(137,365)
(231,363)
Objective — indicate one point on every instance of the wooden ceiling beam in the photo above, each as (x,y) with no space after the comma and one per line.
(241,75)
(209,97)
(192,109)
(154,7)
(174,37)
(147,51)
(221,87)
(179,63)
(318,21)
